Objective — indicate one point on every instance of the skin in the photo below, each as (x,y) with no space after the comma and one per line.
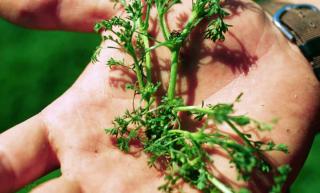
(271,72)
(54,14)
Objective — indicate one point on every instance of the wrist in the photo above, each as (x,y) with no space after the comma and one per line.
(298,21)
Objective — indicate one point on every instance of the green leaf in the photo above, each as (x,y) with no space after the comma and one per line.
(133,134)
(130,86)
(123,144)
(221,112)
(216,29)
(111,131)
(240,120)
(281,178)
(282,147)
(244,190)
(113,62)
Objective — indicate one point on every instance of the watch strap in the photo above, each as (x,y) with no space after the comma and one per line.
(303,24)
(270,6)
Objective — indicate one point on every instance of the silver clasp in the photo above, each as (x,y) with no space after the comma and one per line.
(277,17)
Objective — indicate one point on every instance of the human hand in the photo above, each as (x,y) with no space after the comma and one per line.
(72,15)
(70,132)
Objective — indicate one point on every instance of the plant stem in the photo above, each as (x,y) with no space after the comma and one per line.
(147,16)
(130,49)
(164,26)
(138,72)
(166,44)
(242,136)
(173,73)
(209,111)
(234,128)
(193,109)
(148,58)
(144,29)
(192,22)
(219,184)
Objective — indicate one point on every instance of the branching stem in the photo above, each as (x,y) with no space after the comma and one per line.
(144,30)
(148,64)
(193,21)
(157,124)
(138,72)
(192,109)
(241,135)
(219,185)
(164,26)
(173,73)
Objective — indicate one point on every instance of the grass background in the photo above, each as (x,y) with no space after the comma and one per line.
(38,66)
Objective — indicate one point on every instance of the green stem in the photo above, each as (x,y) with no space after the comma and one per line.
(183,132)
(147,16)
(164,26)
(130,49)
(219,185)
(166,44)
(173,73)
(193,21)
(144,28)
(244,138)
(209,111)
(148,58)
(234,128)
(193,109)
(138,72)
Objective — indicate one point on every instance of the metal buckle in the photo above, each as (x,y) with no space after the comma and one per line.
(277,18)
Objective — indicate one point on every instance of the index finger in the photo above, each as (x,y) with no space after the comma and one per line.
(74,15)
(25,154)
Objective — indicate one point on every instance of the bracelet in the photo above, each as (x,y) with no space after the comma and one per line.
(300,23)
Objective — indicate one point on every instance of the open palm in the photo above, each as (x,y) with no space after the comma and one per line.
(255,59)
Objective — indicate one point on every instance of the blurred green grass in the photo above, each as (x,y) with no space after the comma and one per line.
(35,68)
(38,66)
